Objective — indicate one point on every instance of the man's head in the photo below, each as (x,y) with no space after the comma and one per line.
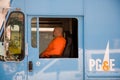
(57,31)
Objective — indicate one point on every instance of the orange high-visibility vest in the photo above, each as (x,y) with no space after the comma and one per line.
(55,48)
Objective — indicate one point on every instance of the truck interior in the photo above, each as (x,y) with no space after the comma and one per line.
(70,32)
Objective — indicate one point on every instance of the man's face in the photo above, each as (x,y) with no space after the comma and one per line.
(55,32)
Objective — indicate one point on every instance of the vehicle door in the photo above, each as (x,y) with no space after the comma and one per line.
(39,35)
(13,62)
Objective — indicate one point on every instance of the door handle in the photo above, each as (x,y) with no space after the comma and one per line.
(30,66)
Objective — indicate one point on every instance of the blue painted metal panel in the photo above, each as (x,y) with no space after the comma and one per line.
(54,7)
(101,26)
(19,4)
(13,70)
(101,23)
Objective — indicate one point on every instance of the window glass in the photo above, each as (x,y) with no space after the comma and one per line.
(45,38)
(14,37)
(34,32)
(70,34)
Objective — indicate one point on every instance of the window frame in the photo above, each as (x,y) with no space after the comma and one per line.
(77,21)
(23,34)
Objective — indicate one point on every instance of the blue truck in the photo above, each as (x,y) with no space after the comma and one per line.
(92,25)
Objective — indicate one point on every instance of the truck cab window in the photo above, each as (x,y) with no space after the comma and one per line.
(14,37)
(34,32)
(70,33)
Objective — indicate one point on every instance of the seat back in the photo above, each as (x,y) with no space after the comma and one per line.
(68,47)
